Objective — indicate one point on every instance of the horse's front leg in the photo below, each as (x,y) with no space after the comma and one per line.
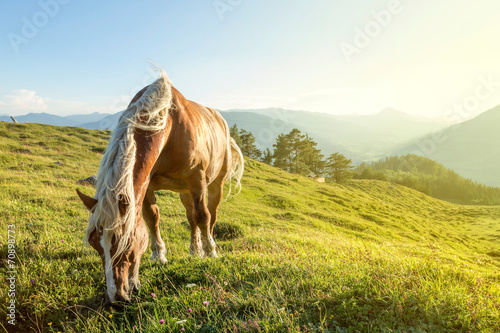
(133,280)
(151,215)
(139,247)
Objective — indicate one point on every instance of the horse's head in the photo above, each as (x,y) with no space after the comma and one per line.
(122,269)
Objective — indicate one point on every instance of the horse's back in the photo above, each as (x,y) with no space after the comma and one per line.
(198,141)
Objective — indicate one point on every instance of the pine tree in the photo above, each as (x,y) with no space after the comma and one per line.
(297,153)
(313,158)
(297,148)
(248,147)
(267,157)
(235,134)
(282,153)
(339,168)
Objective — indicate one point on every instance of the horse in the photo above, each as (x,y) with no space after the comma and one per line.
(162,142)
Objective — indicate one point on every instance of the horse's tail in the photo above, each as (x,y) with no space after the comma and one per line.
(237,166)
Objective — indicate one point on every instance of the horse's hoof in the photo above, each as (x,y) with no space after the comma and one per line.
(135,287)
(160,257)
(197,254)
(213,255)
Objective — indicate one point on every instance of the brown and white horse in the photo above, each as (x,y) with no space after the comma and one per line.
(162,142)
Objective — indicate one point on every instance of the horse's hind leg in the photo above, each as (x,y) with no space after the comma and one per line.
(151,215)
(201,214)
(214,199)
(196,248)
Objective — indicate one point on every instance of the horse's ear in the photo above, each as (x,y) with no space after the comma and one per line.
(87,201)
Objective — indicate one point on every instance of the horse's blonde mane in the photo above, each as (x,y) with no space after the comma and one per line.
(115,175)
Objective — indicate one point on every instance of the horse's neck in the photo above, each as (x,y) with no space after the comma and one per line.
(148,148)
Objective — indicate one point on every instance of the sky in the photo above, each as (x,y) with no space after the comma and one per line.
(433,59)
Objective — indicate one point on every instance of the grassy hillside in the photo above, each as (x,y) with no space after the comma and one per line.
(296,255)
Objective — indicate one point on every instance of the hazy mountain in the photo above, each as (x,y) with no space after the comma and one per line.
(471,148)
(42,118)
(266,128)
(107,122)
(86,118)
(360,137)
(50,119)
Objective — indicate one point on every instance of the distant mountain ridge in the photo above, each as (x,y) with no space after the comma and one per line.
(361,137)
(471,148)
(51,119)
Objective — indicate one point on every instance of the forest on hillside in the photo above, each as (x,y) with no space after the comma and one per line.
(429,177)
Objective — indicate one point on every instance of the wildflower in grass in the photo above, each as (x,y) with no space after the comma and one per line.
(49,324)
(205,303)
(182,329)
(153,295)
(189,310)
(135,327)
(180,322)
(191,285)
(32,281)
(162,321)
(110,316)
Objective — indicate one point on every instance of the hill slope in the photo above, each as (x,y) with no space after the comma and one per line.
(295,254)
(472,148)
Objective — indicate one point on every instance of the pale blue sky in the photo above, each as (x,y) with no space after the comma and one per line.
(93,55)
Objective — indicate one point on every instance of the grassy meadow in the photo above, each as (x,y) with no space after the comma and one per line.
(295,255)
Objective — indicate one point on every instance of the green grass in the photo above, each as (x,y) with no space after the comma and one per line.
(295,255)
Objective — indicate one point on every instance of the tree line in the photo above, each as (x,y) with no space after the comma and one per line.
(296,152)
(429,177)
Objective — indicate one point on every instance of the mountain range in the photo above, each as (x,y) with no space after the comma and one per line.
(471,148)
(51,119)
(361,137)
